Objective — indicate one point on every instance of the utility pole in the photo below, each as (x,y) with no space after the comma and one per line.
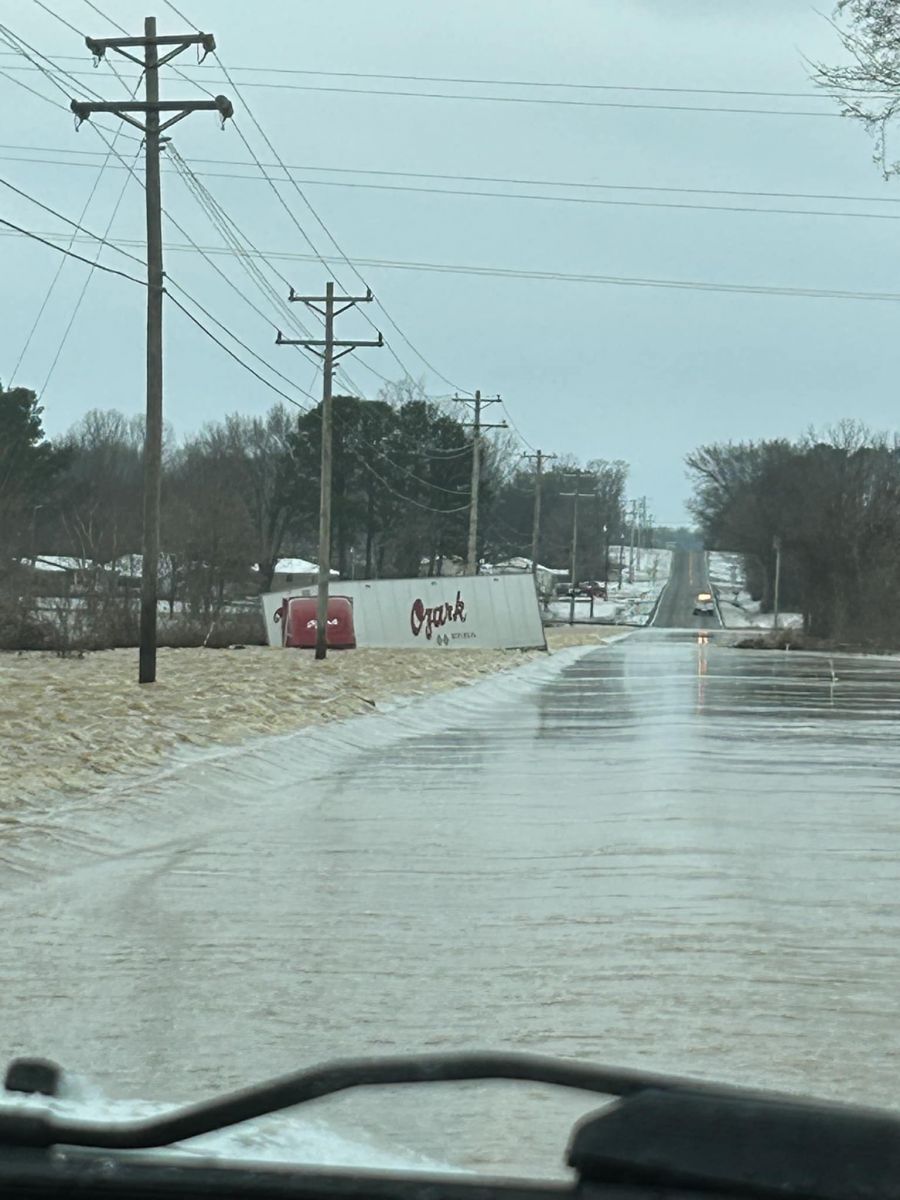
(631,542)
(576,496)
(476,426)
(150,108)
(324,348)
(641,529)
(776,545)
(539,459)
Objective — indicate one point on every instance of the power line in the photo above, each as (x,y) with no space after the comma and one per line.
(86,283)
(575,277)
(612,104)
(306,201)
(104,241)
(250,149)
(480,97)
(233,236)
(409,499)
(203,253)
(84,287)
(77,225)
(320,222)
(565,183)
(225,329)
(142,283)
(410,474)
(218,342)
(231,353)
(70,253)
(16,43)
(174,300)
(758,210)
(283,203)
(516,430)
(103,17)
(178,226)
(583,200)
(504,179)
(567,85)
(315,214)
(554,101)
(210,207)
(68,25)
(33,91)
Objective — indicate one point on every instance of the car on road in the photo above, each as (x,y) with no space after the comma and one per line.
(593,587)
(705,606)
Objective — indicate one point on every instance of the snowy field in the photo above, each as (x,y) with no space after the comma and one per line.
(633,602)
(738,608)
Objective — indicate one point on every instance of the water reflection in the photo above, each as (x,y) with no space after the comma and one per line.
(702,669)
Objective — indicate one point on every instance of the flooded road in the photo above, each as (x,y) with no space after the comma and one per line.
(666,853)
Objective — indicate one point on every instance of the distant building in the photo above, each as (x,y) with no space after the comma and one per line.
(295,573)
(443,564)
(546,577)
(60,574)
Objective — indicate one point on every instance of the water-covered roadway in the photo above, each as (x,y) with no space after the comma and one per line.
(668,854)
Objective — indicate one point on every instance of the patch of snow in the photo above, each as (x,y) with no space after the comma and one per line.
(60,562)
(737,607)
(295,566)
(630,604)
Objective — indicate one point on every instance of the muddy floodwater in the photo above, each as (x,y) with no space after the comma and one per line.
(663,853)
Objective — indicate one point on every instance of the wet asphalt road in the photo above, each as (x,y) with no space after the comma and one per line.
(687,577)
(667,854)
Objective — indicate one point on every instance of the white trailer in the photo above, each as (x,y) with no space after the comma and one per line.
(488,612)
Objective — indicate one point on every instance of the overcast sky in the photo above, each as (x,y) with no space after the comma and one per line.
(596,369)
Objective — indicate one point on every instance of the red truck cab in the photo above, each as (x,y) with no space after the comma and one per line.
(298,623)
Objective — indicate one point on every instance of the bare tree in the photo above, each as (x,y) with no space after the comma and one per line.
(867,86)
(834,501)
(259,449)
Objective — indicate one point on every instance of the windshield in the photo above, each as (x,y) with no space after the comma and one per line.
(448,572)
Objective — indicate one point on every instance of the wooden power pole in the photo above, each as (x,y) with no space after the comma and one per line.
(576,496)
(325,347)
(539,459)
(631,543)
(476,426)
(150,108)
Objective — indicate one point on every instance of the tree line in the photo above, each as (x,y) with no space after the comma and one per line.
(834,503)
(243,492)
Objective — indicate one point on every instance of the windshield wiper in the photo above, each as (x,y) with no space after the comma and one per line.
(303,1086)
(661,1133)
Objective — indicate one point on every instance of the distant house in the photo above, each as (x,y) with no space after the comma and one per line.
(59,574)
(295,573)
(128,570)
(442,564)
(547,577)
